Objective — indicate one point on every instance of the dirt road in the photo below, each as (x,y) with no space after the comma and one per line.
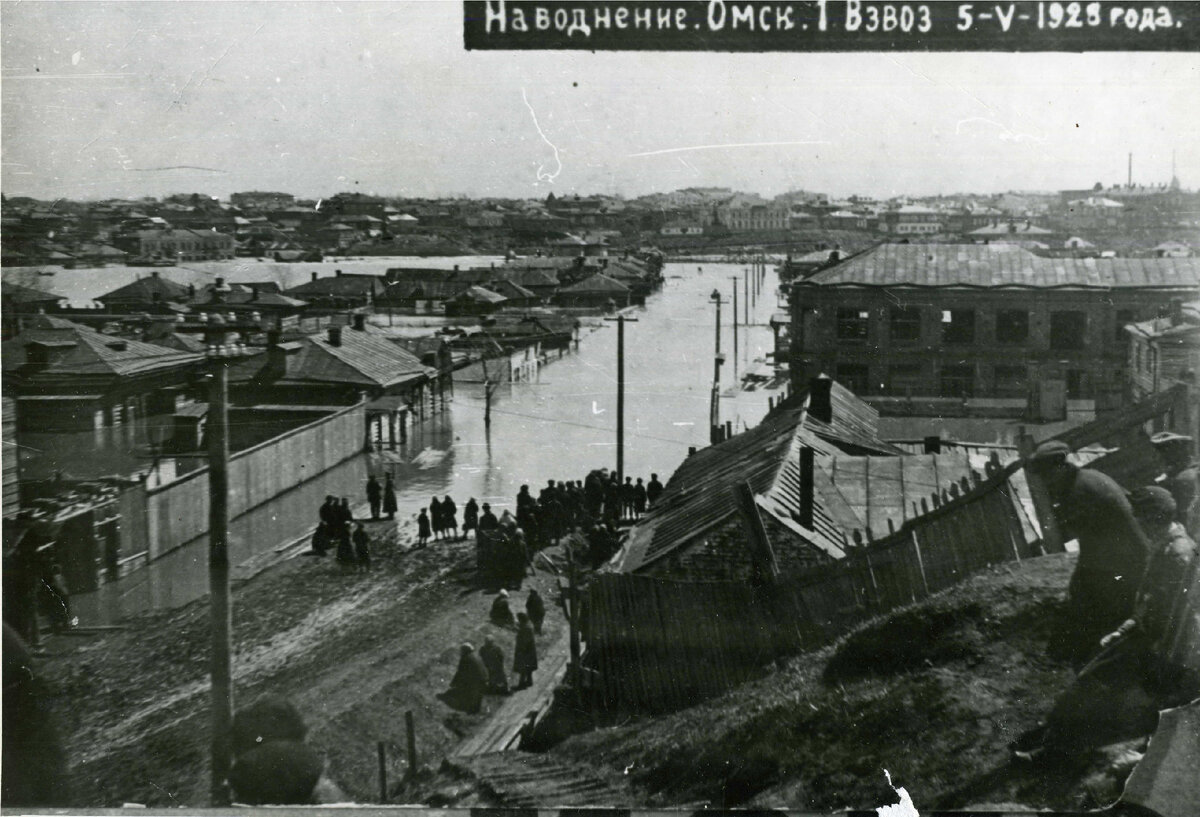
(352,651)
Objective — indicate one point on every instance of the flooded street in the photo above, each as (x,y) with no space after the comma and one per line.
(559,427)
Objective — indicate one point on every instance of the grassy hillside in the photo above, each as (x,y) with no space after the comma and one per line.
(933,694)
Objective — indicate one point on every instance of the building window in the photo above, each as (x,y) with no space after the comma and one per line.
(958,381)
(958,325)
(905,323)
(854,376)
(1011,381)
(1012,326)
(905,378)
(1124,318)
(1068,330)
(852,324)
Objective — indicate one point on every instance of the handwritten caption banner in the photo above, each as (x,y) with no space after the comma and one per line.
(830,25)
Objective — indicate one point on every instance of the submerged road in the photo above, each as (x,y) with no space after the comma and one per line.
(558,427)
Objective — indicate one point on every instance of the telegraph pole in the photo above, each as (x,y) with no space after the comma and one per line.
(746,299)
(620,321)
(735,330)
(219,352)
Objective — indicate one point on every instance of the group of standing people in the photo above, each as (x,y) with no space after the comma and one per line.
(1133,600)
(338,531)
(601,498)
(381,497)
(442,520)
(483,672)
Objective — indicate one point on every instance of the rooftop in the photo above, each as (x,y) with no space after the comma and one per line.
(1001,265)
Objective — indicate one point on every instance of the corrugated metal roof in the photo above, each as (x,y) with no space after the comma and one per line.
(1001,265)
(362,358)
(700,494)
(145,289)
(596,283)
(94,353)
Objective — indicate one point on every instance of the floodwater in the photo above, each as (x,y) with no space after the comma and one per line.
(558,427)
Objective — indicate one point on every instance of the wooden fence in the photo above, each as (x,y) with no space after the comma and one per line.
(177,512)
(659,644)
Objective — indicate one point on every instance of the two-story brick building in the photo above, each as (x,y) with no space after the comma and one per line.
(978,321)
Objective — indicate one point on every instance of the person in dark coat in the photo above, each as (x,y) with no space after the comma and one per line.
(488,520)
(321,540)
(654,489)
(470,516)
(639,498)
(435,517)
(612,500)
(374,496)
(536,608)
(525,652)
(501,614)
(526,510)
(450,516)
(1113,550)
(389,496)
(469,682)
(328,512)
(345,547)
(493,661)
(422,528)
(344,513)
(362,548)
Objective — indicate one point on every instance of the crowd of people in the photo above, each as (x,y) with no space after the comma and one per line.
(1133,629)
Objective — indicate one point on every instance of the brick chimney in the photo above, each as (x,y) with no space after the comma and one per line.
(359,322)
(820,398)
(335,336)
(806,487)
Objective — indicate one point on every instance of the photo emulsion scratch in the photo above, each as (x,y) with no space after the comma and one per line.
(536,406)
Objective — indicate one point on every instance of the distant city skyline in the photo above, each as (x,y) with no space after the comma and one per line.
(108,100)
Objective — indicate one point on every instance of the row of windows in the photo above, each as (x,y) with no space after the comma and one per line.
(956,381)
(1068,328)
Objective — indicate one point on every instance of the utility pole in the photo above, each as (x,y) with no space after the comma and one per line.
(219,352)
(714,409)
(735,330)
(746,299)
(620,321)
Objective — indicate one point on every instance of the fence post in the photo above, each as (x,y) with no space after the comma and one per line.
(1043,506)
(412,745)
(383,790)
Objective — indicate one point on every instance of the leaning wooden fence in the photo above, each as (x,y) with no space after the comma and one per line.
(659,644)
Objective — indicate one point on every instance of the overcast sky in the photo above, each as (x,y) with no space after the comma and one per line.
(127,99)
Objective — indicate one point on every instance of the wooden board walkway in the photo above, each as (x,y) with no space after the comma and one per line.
(503,730)
(520,780)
